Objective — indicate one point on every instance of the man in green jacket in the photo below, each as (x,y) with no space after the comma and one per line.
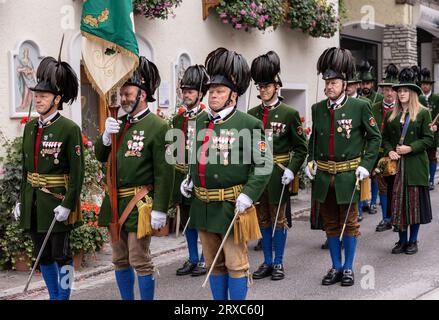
(232,168)
(194,87)
(432,103)
(343,147)
(380,111)
(141,168)
(53,172)
(284,131)
(368,82)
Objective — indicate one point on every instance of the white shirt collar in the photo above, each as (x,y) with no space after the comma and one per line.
(271,104)
(338,102)
(42,122)
(221,115)
(427,95)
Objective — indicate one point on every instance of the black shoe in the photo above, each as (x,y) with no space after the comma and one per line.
(366,208)
(395,229)
(373,209)
(187,268)
(348,278)
(431,187)
(199,270)
(278,272)
(399,248)
(333,276)
(411,248)
(360,218)
(325,245)
(383,226)
(263,271)
(258,246)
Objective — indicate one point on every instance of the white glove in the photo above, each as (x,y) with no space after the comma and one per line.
(186,187)
(243,202)
(158,219)
(311,169)
(16,212)
(61,213)
(288,176)
(362,173)
(111,126)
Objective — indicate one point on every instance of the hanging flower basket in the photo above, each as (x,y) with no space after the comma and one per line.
(156,9)
(314,17)
(247,14)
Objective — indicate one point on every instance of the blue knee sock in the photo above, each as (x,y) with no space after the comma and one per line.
(433,166)
(414,230)
(66,278)
(360,208)
(374,187)
(146,287)
(383,201)
(267,247)
(403,236)
(280,238)
(219,286)
(50,274)
(238,288)
(125,283)
(192,244)
(350,245)
(334,246)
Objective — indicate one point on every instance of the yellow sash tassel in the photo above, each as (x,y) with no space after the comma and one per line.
(144,221)
(365,192)
(246,227)
(294,186)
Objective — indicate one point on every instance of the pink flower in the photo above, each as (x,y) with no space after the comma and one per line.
(253,5)
(225,21)
(253,14)
(238,26)
(223,15)
(243,12)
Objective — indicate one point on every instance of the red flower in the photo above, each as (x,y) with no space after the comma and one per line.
(181,110)
(302,119)
(84,139)
(24,120)
(307,131)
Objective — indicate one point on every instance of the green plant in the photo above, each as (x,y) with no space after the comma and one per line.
(315,17)
(246,14)
(156,9)
(87,236)
(13,243)
(93,186)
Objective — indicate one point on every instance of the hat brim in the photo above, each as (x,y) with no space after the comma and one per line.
(428,82)
(411,86)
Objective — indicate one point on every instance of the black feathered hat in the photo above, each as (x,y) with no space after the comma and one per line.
(146,77)
(426,76)
(366,71)
(407,78)
(265,69)
(391,77)
(336,63)
(195,78)
(228,68)
(57,77)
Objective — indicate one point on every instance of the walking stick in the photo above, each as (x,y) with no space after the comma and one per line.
(349,208)
(278,209)
(40,253)
(177,222)
(220,248)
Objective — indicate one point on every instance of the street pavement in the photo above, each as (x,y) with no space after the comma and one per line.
(379,274)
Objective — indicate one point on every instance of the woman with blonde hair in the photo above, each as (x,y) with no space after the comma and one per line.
(406,137)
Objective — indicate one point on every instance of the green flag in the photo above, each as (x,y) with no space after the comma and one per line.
(109,47)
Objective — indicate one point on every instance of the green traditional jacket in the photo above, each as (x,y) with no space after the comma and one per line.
(284,131)
(374,97)
(145,166)
(237,157)
(419,137)
(178,122)
(432,103)
(67,160)
(360,137)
